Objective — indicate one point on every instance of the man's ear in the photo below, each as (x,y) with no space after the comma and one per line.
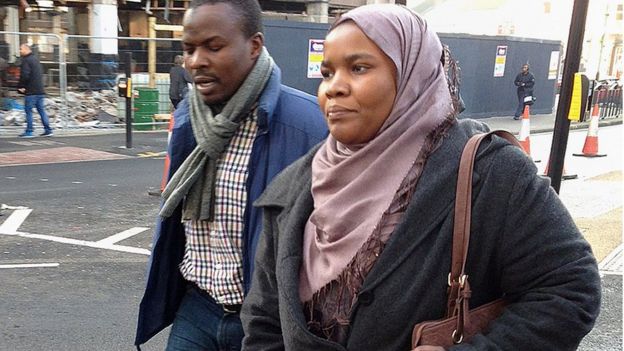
(257,43)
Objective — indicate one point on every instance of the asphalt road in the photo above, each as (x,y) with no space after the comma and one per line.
(92,221)
(89,300)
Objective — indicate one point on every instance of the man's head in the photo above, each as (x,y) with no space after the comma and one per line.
(24,50)
(525,68)
(222,41)
(178,60)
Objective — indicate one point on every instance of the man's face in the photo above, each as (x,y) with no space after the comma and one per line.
(525,68)
(217,52)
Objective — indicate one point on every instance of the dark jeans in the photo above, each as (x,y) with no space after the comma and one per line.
(201,325)
(35,101)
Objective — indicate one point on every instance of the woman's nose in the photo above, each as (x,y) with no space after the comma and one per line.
(337,86)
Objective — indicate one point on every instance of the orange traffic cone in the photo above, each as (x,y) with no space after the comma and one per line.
(590,149)
(165,175)
(525,131)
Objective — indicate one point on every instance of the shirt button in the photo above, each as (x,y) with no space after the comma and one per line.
(218,266)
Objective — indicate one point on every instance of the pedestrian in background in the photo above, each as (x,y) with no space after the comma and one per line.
(357,238)
(525,82)
(179,80)
(31,85)
(237,128)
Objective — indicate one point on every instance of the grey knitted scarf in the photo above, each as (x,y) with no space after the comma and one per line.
(195,180)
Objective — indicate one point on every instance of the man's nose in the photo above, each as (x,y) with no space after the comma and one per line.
(196,59)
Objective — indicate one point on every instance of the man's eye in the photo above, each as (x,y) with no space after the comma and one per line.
(325,73)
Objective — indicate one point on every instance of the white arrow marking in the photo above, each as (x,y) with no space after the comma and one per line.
(15,220)
(29,265)
(95,244)
(122,236)
(19,215)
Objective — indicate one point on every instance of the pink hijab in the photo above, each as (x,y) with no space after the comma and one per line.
(352,188)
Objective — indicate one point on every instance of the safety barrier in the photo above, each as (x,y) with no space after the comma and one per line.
(81,75)
(607,95)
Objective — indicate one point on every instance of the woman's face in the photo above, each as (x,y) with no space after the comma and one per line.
(358,87)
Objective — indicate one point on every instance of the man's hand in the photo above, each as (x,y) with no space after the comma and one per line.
(429,348)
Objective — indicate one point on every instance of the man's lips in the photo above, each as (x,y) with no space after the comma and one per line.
(204,83)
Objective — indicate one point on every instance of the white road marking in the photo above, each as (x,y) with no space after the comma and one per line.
(19,215)
(15,220)
(29,265)
(94,244)
(122,236)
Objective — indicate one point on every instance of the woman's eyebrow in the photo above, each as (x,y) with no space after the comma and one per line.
(352,57)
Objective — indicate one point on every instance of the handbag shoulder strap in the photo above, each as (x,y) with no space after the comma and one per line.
(461,226)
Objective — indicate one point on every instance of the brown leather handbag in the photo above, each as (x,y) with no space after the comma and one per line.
(461,323)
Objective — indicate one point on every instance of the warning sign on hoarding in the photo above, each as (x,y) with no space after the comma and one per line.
(315,57)
(499,62)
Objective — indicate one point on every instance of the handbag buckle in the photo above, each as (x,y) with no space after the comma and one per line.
(461,281)
(457,340)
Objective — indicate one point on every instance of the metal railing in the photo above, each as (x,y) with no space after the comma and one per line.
(83,84)
(608,97)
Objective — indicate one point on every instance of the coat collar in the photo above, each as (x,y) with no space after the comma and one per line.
(269,97)
(431,202)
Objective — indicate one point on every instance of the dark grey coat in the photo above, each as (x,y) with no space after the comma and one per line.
(31,75)
(524,244)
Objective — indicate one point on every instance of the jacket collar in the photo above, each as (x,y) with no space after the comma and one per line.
(269,97)
(298,175)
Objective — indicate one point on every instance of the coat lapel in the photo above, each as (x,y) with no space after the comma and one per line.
(431,204)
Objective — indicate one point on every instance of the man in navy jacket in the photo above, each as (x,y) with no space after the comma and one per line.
(525,82)
(204,247)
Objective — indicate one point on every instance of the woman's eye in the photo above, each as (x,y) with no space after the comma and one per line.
(325,73)
(359,69)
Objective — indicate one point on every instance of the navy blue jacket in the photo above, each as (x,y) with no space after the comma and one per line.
(31,75)
(525,83)
(289,124)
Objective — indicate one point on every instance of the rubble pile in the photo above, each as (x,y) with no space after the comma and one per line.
(87,108)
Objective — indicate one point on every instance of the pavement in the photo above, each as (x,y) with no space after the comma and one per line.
(542,123)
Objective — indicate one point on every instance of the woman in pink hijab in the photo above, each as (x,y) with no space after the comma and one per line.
(357,240)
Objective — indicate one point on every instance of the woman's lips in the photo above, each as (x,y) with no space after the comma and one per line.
(338,112)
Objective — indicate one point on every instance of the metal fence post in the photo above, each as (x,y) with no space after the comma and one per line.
(63,80)
(129,101)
